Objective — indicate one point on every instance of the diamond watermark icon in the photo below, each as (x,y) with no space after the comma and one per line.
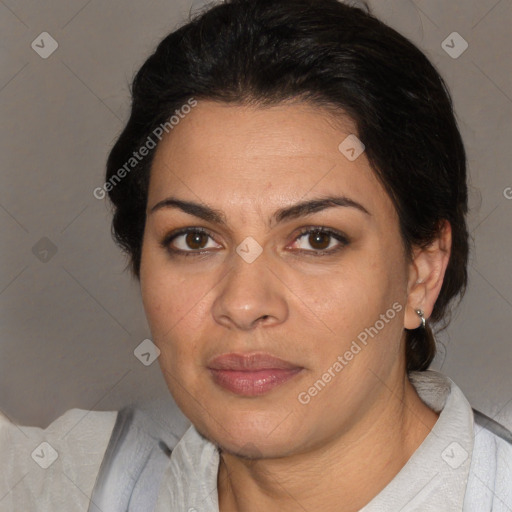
(351,147)
(454,455)
(146,352)
(249,249)
(45,455)
(44,250)
(44,45)
(454,45)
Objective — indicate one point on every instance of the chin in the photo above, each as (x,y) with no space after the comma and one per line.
(250,436)
(250,447)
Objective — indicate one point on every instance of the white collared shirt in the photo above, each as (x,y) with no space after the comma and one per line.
(458,467)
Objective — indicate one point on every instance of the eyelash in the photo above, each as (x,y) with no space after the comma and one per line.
(340,237)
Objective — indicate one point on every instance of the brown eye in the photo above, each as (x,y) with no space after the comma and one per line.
(196,240)
(319,241)
(189,241)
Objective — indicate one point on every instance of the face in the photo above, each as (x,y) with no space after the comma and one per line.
(278,325)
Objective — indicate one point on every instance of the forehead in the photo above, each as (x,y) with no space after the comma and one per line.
(247,155)
(249,132)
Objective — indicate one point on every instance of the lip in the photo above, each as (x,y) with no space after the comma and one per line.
(253,361)
(251,374)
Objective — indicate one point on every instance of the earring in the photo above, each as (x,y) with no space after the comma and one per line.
(419,312)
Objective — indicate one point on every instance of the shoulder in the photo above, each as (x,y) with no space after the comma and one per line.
(53,468)
(142,440)
(504,472)
(489,483)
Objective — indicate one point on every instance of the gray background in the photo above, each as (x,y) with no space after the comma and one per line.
(70,321)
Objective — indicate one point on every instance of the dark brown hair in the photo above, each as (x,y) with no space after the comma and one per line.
(329,54)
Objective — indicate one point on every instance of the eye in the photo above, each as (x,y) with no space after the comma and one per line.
(321,240)
(195,241)
(189,240)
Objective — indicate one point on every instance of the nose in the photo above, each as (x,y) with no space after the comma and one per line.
(250,295)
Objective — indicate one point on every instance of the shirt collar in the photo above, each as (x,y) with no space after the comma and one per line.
(435,476)
(433,479)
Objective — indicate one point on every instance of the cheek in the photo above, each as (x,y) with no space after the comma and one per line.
(162,303)
(174,303)
(355,293)
(169,304)
(363,301)
(170,301)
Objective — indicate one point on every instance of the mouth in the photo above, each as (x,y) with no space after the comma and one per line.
(253,374)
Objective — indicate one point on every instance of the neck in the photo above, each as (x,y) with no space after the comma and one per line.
(347,471)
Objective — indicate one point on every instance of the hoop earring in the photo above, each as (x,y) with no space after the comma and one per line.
(419,312)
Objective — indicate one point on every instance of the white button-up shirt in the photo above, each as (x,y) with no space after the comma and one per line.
(459,466)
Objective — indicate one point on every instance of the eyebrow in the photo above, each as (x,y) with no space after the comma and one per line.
(287,213)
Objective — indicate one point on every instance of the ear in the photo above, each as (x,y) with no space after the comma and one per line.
(426,274)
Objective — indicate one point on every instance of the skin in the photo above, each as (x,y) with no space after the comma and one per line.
(278,454)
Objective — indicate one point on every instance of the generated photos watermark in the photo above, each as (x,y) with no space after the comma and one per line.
(144,150)
(304,397)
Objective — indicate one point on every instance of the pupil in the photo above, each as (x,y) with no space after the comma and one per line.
(193,240)
(315,239)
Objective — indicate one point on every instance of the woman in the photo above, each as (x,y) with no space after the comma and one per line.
(291,191)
